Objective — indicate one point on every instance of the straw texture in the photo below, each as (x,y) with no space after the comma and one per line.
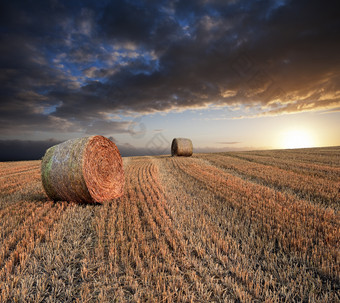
(86,169)
(181,147)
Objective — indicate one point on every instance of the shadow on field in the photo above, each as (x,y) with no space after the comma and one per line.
(80,204)
(43,198)
(37,198)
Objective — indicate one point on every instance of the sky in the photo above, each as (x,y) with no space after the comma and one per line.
(228,74)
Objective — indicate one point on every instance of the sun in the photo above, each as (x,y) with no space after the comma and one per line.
(297,138)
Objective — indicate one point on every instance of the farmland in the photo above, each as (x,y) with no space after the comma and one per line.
(228,227)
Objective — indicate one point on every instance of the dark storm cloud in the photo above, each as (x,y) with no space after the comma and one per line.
(15,150)
(66,64)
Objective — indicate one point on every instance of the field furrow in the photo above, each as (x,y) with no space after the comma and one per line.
(53,269)
(10,168)
(281,235)
(17,247)
(19,173)
(15,183)
(14,217)
(296,217)
(318,190)
(159,267)
(327,156)
(24,186)
(315,170)
(260,226)
(210,250)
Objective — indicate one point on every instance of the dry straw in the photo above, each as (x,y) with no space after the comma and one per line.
(181,147)
(83,170)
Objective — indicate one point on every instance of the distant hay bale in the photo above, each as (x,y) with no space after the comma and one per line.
(181,147)
(83,170)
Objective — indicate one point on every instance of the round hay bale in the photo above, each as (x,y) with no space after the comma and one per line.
(86,169)
(181,147)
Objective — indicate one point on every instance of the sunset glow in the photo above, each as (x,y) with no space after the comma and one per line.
(297,139)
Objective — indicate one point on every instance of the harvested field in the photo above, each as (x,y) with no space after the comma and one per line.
(228,227)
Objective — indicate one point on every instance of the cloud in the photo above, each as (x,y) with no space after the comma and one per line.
(109,127)
(62,65)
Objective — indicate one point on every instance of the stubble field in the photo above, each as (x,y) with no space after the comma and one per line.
(229,227)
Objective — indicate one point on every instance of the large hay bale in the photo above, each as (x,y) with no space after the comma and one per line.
(181,147)
(86,169)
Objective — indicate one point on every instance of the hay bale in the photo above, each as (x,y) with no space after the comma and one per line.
(86,169)
(181,147)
